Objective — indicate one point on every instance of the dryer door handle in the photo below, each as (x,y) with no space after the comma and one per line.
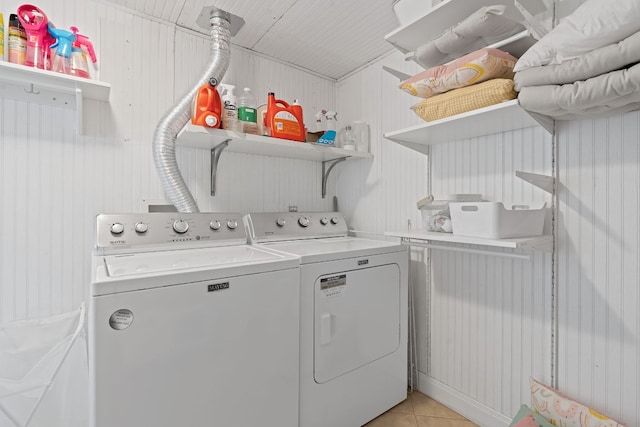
(325,328)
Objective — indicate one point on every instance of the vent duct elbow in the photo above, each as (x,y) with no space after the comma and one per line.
(164,140)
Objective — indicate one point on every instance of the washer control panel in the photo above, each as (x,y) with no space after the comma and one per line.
(168,230)
(295,225)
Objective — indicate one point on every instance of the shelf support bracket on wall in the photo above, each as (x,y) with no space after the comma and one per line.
(326,172)
(409,242)
(545,121)
(544,182)
(215,157)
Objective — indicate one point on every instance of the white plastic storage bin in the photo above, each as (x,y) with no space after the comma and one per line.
(435,213)
(492,220)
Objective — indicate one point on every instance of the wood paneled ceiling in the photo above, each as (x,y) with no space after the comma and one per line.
(329,37)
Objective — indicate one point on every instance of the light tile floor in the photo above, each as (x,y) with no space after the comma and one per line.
(420,411)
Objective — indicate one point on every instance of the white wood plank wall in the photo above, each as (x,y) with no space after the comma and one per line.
(491,317)
(483,323)
(598,268)
(53,182)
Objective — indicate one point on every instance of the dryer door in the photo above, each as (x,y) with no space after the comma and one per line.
(356,319)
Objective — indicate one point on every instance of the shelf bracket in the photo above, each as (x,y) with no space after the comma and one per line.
(399,74)
(533,25)
(215,157)
(326,171)
(544,182)
(545,121)
(409,242)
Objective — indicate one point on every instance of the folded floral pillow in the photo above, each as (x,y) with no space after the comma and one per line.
(476,67)
(527,418)
(562,411)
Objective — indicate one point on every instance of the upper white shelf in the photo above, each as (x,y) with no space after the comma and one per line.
(444,15)
(540,243)
(91,89)
(201,137)
(497,118)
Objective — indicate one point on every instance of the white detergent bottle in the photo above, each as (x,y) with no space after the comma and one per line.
(229,108)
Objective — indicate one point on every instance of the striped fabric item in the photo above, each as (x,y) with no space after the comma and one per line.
(469,98)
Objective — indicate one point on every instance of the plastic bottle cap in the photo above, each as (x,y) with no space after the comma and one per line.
(211,121)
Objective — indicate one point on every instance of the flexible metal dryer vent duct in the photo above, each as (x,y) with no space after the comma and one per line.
(164,139)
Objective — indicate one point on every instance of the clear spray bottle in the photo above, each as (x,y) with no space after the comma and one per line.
(64,46)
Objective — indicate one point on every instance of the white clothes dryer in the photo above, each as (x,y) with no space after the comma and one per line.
(353,316)
(188,324)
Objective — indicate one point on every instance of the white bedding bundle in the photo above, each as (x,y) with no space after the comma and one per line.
(584,67)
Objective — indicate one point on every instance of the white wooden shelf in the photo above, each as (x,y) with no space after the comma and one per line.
(217,140)
(201,137)
(537,243)
(48,87)
(446,14)
(497,118)
(91,89)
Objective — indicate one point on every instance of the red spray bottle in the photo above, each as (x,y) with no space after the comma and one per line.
(79,63)
(35,23)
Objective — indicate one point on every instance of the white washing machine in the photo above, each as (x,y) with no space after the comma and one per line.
(353,316)
(190,326)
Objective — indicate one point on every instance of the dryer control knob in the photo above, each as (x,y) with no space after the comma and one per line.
(281,222)
(303,221)
(180,226)
(232,224)
(141,227)
(324,221)
(215,225)
(335,220)
(117,228)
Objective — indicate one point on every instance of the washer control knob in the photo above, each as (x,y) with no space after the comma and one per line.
(304,221)
(232,224)
(180,226)
(324,220)
(215,225)
(334,220)
(141,227)
(281,222)
(117,228)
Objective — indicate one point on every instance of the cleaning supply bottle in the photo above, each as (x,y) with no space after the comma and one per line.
(229,107)
(79,63)
(348,139)
(1,37)
(64,45)
(247,114)
(331,123)
(207,107)
(285,121)
(35,23)
(17,41)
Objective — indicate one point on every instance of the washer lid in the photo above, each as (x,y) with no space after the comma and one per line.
(187,259)
(319,250)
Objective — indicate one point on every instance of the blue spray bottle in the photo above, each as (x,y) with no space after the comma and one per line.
(64,44)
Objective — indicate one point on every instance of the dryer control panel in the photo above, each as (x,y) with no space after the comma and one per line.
(167,230)
(273,226)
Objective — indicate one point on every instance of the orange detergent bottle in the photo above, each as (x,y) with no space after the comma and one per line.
(284,120)
(207,106)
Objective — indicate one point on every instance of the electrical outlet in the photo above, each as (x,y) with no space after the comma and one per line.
(293,208)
